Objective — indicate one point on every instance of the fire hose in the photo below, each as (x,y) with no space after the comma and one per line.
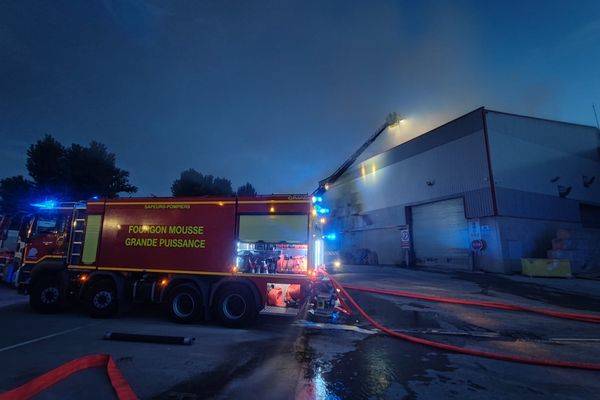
(462,350)
(501,306)
(42,382)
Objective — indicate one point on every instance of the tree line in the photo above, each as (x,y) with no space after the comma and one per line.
(81,172)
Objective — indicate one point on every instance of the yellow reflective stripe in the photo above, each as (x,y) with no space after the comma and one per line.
(168,271)
(80,267)
(272,201)
(140,203)
(43,258)
(182,271)
(278,276)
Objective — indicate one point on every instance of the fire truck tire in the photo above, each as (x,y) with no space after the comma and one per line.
(184,304)
(46,295)
(236,306)
(101,300)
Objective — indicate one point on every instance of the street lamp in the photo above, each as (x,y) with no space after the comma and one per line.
(392,120)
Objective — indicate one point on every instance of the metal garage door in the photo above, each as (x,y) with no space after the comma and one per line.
(440,234)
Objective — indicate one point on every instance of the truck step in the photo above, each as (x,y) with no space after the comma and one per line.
(285,311)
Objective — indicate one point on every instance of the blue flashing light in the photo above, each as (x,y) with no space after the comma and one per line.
(330,236)
(335,316)
(46,205)
(95,197)
(314,199)
(323,210)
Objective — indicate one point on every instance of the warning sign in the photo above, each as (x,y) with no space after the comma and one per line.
(405,237)
(474,229)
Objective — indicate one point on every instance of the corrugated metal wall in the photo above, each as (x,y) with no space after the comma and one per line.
(533,160)
(440,234)
(447,162)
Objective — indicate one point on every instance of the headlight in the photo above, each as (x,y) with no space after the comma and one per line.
(337,264)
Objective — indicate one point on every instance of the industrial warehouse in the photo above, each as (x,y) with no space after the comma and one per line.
(481,192)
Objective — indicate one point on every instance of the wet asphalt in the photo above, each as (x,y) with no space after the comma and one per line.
(280,358)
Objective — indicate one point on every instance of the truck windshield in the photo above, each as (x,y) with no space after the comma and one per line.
(48,223)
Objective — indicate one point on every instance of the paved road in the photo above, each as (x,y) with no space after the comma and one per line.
(280,358)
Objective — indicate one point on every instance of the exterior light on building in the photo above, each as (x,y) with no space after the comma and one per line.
(393,120)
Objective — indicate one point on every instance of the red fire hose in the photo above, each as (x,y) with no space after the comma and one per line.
(488,304)
(43,382)
(462,350)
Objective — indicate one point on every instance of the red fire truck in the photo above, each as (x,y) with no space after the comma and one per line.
(228,258)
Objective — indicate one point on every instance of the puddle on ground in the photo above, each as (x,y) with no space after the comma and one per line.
(379,367)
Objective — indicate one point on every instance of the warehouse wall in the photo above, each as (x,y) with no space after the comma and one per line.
(533,158)
(527,238)
(368,202)
(532,161)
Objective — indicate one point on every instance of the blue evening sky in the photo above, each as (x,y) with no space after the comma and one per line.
(278,93)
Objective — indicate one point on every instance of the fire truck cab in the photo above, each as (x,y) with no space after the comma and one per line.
(227,258)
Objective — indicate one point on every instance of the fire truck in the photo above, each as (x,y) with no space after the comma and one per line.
(227,258)
(12,229)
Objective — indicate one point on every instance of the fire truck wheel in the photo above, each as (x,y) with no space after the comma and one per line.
(46,295)
(184,304)
(101,299)
(235,306)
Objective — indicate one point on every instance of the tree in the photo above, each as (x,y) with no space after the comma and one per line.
(45,164)
(193,183)
(91,171)
(15,193)
(76,172)
(246,190)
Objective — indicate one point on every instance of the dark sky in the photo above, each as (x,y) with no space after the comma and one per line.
(278,93)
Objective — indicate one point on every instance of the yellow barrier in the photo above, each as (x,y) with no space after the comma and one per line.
(546,267)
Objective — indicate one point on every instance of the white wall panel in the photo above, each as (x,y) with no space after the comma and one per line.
(456,167)
(528,153)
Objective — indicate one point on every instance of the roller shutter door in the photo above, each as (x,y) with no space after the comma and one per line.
(440,234)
